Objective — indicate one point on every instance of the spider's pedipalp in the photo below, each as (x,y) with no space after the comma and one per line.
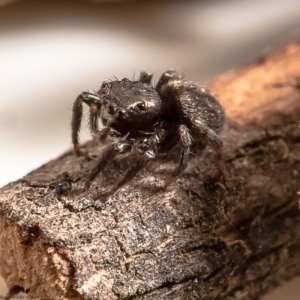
(101,135)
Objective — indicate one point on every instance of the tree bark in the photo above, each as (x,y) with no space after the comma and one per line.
(195,240)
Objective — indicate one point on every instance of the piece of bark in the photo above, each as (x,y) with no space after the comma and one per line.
(195,240)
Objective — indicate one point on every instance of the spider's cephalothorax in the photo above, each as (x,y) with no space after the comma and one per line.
(149,120)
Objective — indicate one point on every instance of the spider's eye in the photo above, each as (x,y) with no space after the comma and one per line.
(121,113)
(111,109)
(141,105)
(103,85)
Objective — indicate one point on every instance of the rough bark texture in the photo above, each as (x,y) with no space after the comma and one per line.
(193,241)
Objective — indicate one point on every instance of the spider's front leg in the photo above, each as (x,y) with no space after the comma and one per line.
(107,154)
(95,104)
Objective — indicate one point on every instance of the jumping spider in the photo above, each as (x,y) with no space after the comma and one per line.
(148,120)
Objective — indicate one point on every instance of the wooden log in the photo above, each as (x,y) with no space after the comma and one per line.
(195,240)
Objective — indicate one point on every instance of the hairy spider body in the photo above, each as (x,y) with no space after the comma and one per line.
(149,120)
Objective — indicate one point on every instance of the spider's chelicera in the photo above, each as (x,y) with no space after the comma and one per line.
(148,120)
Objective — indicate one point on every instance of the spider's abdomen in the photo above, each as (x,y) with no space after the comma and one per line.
(194,103)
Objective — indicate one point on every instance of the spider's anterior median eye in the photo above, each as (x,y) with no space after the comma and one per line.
(141,105)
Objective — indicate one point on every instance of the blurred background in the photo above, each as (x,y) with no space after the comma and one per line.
(50,51)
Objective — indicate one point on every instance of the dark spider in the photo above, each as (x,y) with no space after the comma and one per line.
(149,120)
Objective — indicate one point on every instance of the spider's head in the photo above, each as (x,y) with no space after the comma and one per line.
(130,104)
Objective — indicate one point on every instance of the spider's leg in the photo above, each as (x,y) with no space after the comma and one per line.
(87,98)
(186,142)
(145,77)
(216,142)
(107,154)
(140,164)
(165,78)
